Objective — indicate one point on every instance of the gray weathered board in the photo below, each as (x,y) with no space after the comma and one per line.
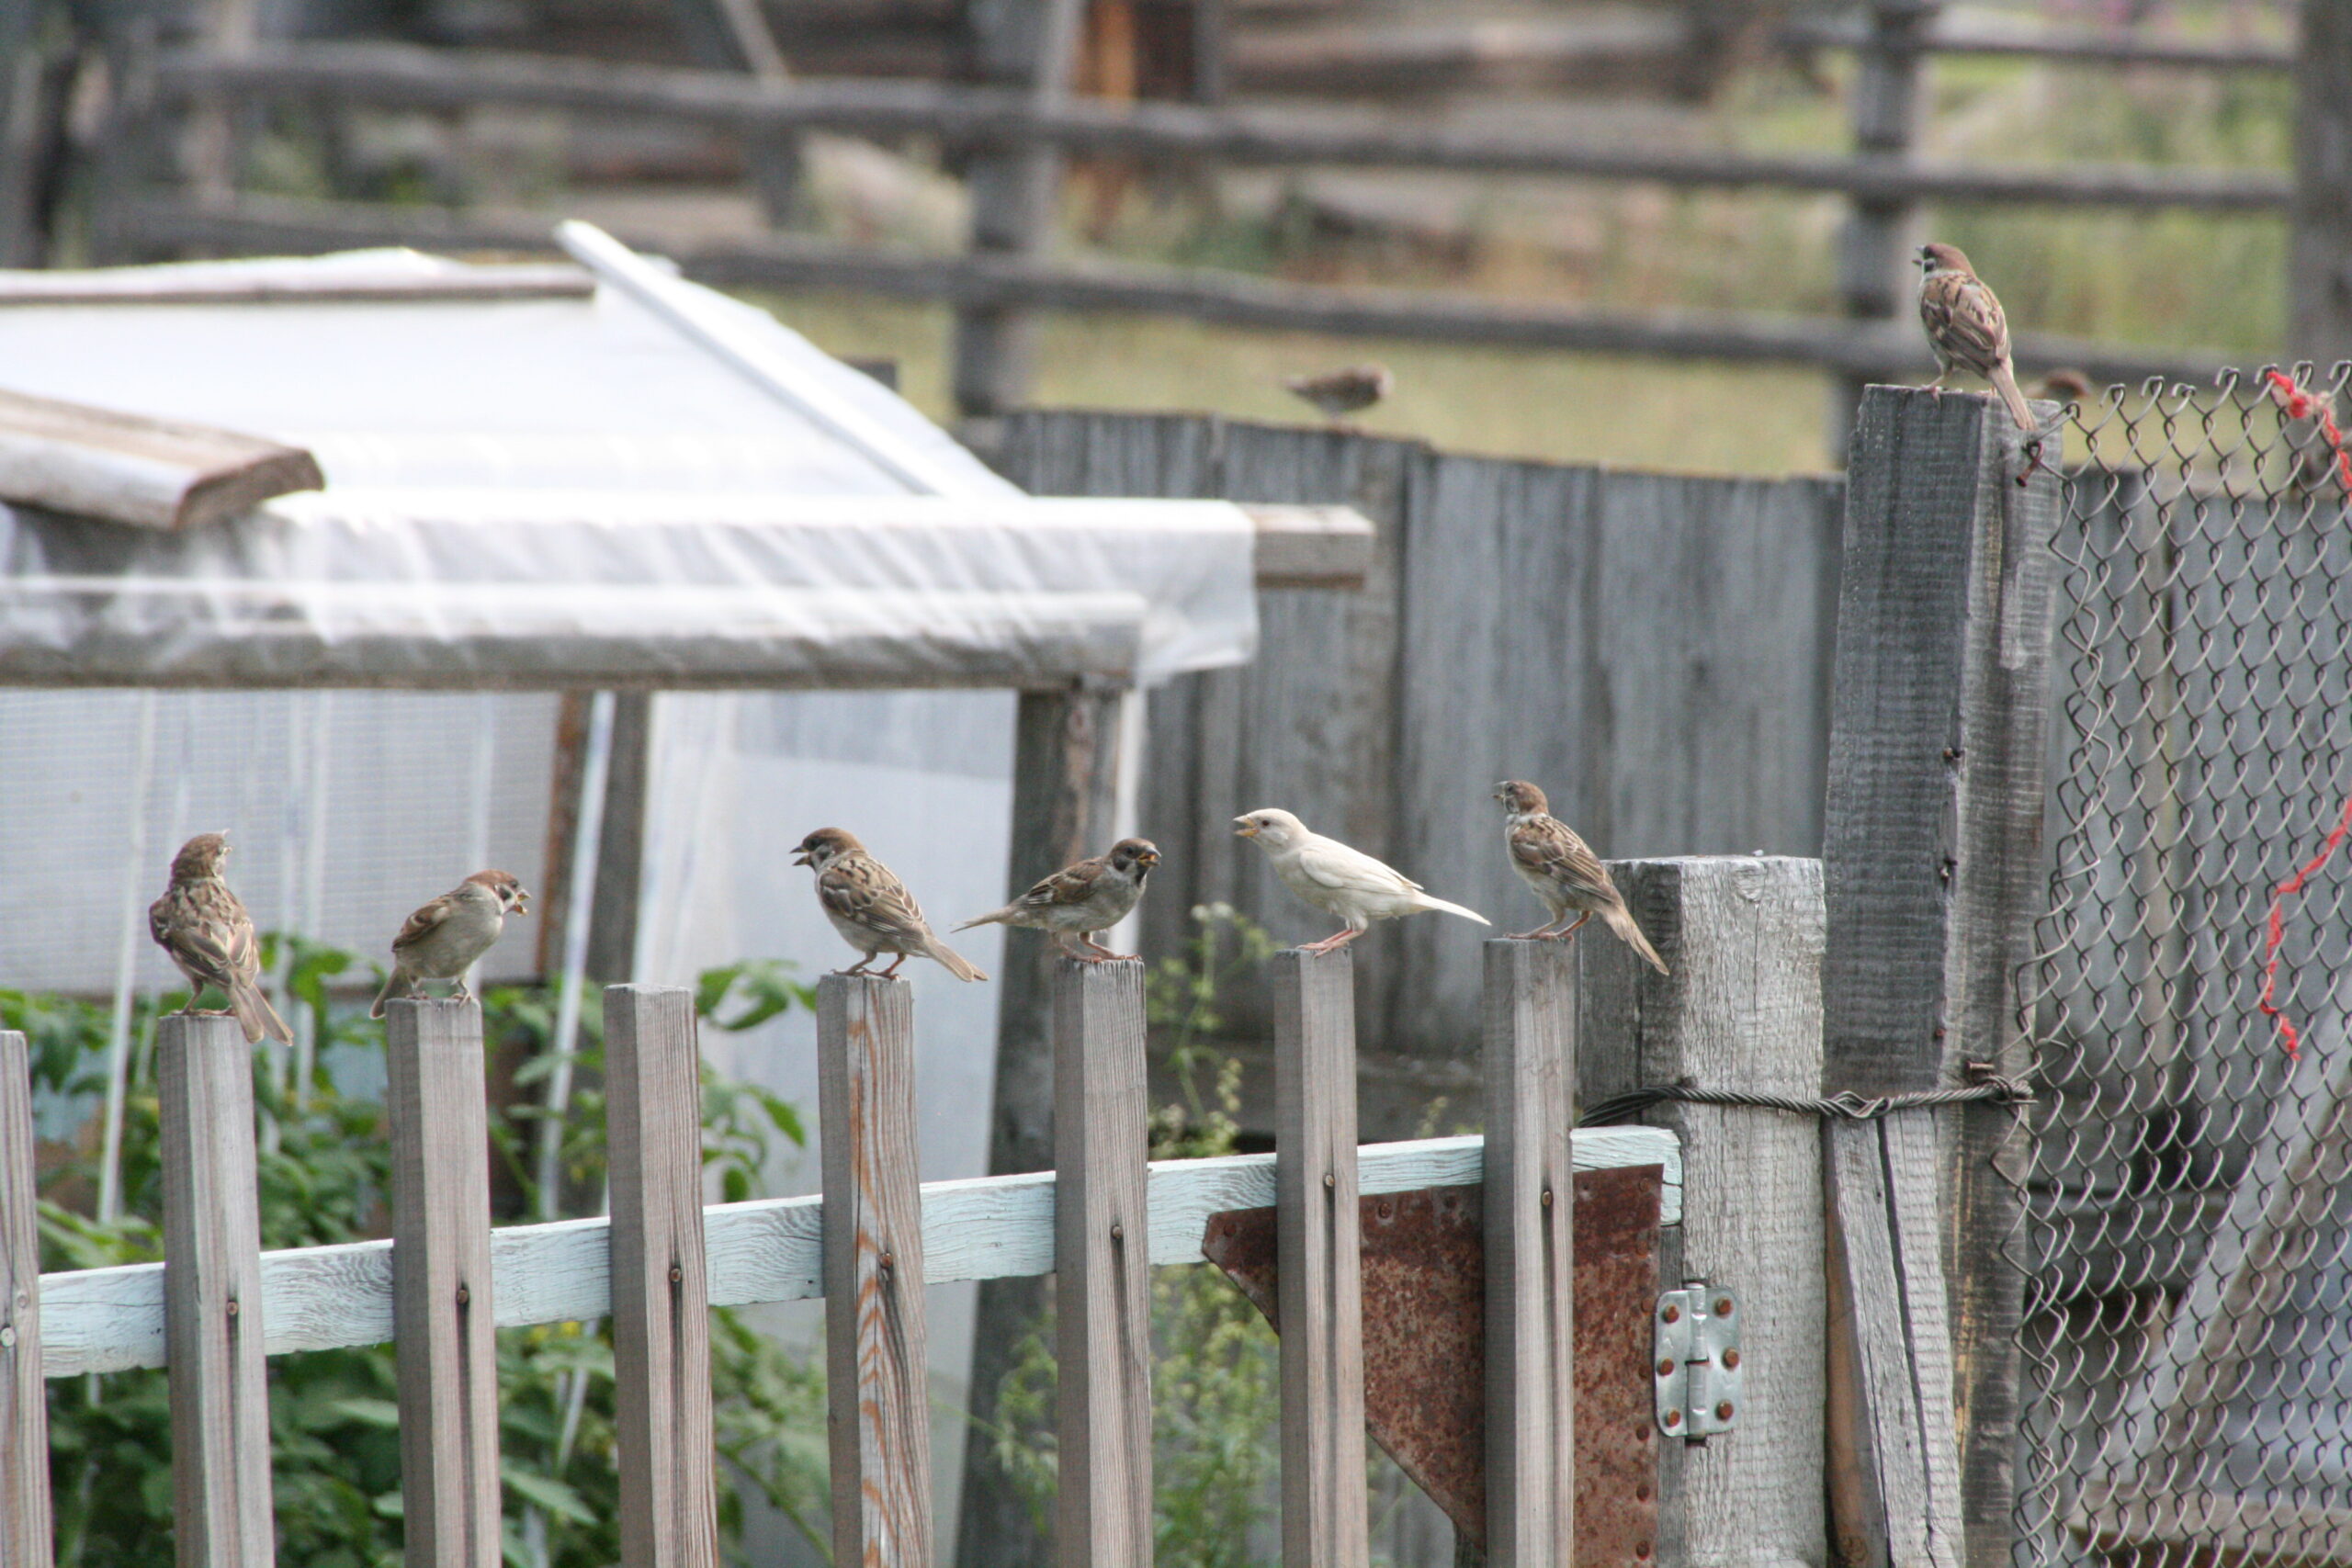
(1663,673)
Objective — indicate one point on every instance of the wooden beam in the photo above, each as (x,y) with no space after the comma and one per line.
(443,1310)
(876,1346)
(1530,1073)
(2071,45)
(1934,875)
(770,1249)
(127,467)
(1311,547)
(2318,251)
(1881,228)
(1197,294)
(1319,1250)
(1101,1266)
(25,1513)
(213,1315)
(1741,1010)
(662,1422)
(1006,117)
(1065,780)
(534,280)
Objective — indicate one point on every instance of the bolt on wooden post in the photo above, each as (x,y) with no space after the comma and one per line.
(443,1326)
(1319,1262)
(212,1320)
(663,1420)
(1101,1266)
(877,1347)
(25,1525)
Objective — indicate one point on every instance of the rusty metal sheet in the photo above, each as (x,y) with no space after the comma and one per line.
(1424,1345)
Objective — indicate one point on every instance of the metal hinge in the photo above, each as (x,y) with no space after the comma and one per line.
(1696,1364)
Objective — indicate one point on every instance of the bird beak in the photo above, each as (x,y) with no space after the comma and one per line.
(1149,857)
(1246,828)
(522,900)
(800,860)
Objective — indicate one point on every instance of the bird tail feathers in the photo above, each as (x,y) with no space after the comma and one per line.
(955,962)
(257,1016)
(385,994)
(2005,381)
(993,918)
(1429,903)
(1621,920)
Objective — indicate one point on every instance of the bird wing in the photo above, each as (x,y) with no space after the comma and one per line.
(1964,320)
(1551,848)
(1071,884)
(862,891)
(1331,863)
(423,920)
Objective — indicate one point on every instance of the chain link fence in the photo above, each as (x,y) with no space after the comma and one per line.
(2188,1338)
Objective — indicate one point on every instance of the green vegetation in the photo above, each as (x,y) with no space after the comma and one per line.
(325,1178)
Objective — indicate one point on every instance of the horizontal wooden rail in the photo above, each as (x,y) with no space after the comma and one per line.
(1891,350)
(2068,47)
(426,78)
(321,1298)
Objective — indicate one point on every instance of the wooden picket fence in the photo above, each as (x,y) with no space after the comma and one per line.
(446,1279)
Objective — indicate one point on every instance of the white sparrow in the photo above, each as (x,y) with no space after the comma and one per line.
(1336,879)
(1079,901)
(442,940)
(1564,872)
(871,907)
(1338,393)
(205,929)
(1966,327)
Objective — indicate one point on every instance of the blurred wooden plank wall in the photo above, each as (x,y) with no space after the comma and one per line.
(1663,672)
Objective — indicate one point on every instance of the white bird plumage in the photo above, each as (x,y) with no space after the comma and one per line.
(1336,878)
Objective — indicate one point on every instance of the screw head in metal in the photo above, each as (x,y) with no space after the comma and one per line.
(1330,1179)
(1547,1197)
(677,1275)
(1642,1550)
(1118,1230)
(1731,1361)
(1723,1306)
(8,1336)
(1674,1418)
(232,1307)
(889,1261)
(1666,1366)
(1723,1411)
(464,1295)
(1673,1314)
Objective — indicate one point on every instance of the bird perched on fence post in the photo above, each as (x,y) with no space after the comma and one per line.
(445,937)
(1080,899)
(204,926)
(1337,879)
(871,907)
(1966,327)
(1339,393)
(1564,873)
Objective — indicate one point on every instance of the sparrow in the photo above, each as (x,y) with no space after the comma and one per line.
(2067,385)
(1564,872)
(1336,879)
(442,940)
(204,926)
(1079,901)
(1337,393)
(1966,327)
(871,907)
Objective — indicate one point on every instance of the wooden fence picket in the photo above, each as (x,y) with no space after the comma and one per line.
(876,1344)
(1101,1265)
(1319,1244)
(443,1315)
(669,1490)
(213,1319)
(1531,1049)
(24,1393)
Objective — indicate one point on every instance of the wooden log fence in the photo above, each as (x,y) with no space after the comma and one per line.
(219,1304)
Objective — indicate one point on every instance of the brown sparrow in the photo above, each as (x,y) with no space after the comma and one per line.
(2067,385)
(1079,901)
(1966,327)
(870,907)
(1564,873)
(1338,393)
(205,929)
(442,940)
(1336,879)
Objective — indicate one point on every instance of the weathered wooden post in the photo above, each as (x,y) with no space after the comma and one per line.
(877,1347)
(1530,1074)
(1319,1248)
(1065,773)
(2319,259)
(668,1455)
(25,1526)
(443,1323)
(1884,108)
(212,1324)
(1741,1012)
(1101,1266)
(1933,872)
